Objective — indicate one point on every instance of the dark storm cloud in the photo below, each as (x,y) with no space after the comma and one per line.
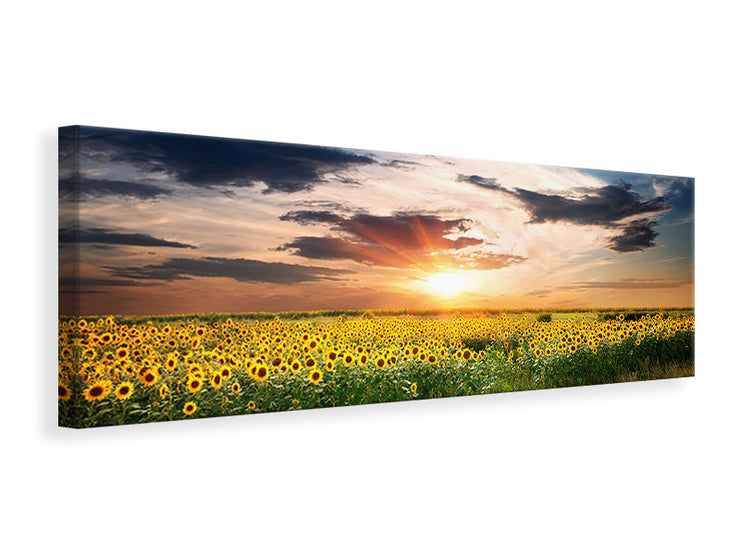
(239,269)
(210,161)
(108,237)
(635,236)
(605,206)
(400,240)
(401,231)
(76,190)
(335,248)
(608,206)
(677,191)
(484,182)
(71,286)
(82,283)
(305,217)
(680,195)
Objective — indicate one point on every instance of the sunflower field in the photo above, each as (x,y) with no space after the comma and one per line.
(115,372)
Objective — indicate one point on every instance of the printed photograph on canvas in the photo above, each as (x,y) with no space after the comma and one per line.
(203,276)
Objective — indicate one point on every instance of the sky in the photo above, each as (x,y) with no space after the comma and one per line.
(157,223)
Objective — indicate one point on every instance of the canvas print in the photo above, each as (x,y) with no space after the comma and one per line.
(203,276)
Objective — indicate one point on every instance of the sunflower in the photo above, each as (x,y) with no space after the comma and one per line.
(295,366)
(315,376)
(97,391)
(235,387)
(122,353)
(189,408)
(261,373)
(124,390)
(64,392)
(348,359)
(194,384)
(251,405)
(163,391)
(171,362)
(150,377)
(226,373)
(413,387)
(216,380)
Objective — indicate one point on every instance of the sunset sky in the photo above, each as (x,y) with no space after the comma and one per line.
(156,223)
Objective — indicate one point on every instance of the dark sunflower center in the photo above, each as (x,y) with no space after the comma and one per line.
(96,391)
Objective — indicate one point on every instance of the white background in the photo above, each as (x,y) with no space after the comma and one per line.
(633,468)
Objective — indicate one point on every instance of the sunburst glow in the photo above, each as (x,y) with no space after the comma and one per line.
(447,283)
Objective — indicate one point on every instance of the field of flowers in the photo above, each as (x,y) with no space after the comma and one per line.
(116,372)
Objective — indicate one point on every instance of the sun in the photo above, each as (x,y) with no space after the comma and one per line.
(447,283)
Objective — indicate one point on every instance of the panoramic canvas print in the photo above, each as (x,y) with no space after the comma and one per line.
(203,276)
